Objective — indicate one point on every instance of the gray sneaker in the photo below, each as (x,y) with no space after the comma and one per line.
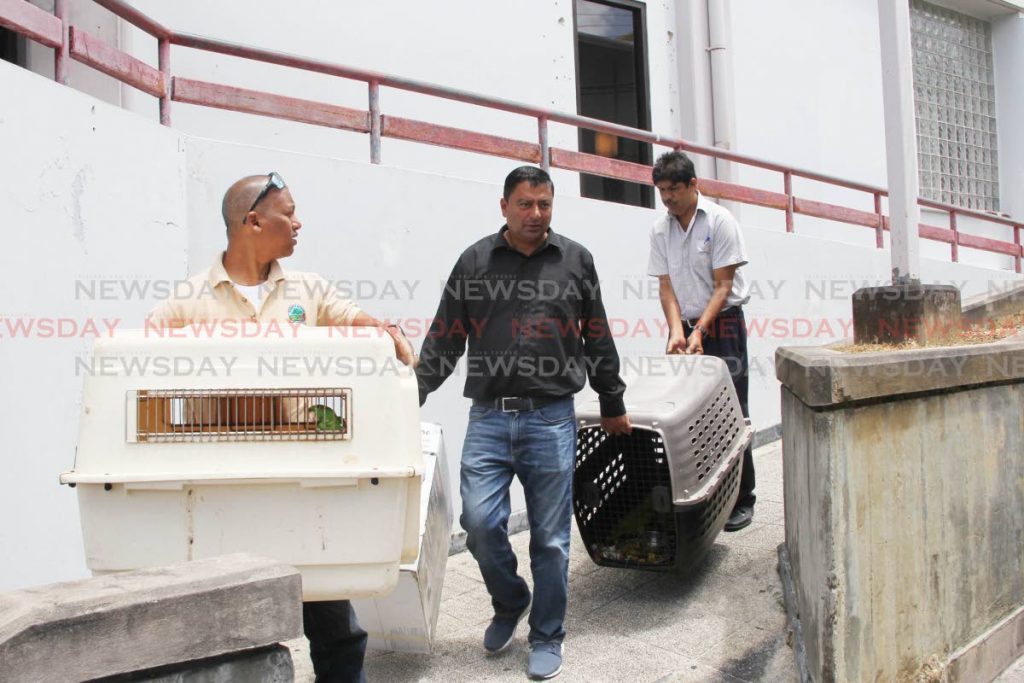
(501,630)
(545,661)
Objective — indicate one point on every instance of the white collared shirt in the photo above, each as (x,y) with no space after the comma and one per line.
(712,240)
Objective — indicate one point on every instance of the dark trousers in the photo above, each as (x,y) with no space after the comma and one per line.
(727,339)
(336,643)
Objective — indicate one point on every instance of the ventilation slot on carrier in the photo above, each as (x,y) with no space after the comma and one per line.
(194,415)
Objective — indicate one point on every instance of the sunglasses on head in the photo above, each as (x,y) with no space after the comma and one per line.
(274,180)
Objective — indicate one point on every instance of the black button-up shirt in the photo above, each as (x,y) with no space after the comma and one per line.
(535,324)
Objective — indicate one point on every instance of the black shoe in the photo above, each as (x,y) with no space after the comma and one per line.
(740,518)
(501,630)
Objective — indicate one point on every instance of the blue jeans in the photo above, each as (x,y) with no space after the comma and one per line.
(538,446)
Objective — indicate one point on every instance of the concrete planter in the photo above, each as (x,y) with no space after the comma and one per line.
(904,497)
(217,619)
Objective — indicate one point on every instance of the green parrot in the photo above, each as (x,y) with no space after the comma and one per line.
(634,525)
(327,420)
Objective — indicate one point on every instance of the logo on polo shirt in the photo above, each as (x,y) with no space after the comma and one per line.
(296,314)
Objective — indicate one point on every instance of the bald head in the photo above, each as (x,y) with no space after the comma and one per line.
(240,197)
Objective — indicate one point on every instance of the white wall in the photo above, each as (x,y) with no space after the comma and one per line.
(523,53)
(96,21)
(1008,60)
(91,191)
(810,97)
(693,71)
(803,96)
(807,98)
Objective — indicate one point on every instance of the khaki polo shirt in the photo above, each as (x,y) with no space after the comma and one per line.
(291,297)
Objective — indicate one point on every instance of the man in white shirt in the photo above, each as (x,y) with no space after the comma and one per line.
(696,254)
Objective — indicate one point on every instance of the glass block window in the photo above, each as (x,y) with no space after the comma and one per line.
(954,97)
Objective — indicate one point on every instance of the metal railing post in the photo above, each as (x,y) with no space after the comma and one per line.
(954,248)
(1016,240)
(542,138)
(880,227)
(164,64)
(375,122)
(61,58)
(787,181)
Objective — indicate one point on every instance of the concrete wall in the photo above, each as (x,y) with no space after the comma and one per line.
(218,619)
(92,191)
(903,501)
(106,200)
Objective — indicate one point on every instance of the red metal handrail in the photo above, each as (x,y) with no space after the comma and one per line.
(30,21)
(70,42)
(136,18)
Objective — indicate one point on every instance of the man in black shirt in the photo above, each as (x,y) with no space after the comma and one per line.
(528,302)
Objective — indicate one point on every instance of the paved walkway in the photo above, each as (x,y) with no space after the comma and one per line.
(1014,674)
(723,624)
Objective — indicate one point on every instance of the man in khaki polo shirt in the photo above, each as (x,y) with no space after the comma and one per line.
(246,285)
